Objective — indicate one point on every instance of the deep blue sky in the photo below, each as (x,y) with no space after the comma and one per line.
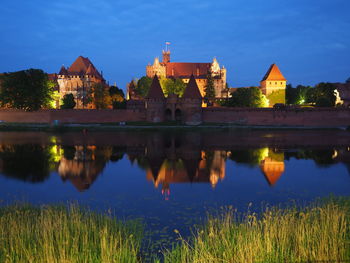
(308,39)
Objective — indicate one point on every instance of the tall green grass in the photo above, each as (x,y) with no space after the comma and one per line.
(60,234)
(319,232)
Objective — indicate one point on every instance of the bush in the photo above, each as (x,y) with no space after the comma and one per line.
(68,101)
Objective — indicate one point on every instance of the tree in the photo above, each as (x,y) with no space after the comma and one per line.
(172,86)
(324,102)
(247,97)
(68,101)
(322,90)
(143,85)
(99,96)
(209,87)
(27,90)
(117,97)
(348,80)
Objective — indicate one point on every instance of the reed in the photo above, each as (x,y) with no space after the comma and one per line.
(65,234)
(317,233)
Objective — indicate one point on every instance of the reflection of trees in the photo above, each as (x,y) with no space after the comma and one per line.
(322,157)
(27,162)
(271,161)
(250,157)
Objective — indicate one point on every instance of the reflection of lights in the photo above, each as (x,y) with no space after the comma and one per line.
(335,154)
(56,152)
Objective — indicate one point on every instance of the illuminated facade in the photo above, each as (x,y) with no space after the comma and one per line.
(184,70)
(273,85)
(78,79)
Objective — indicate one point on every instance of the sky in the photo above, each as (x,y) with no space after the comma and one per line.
(308,39)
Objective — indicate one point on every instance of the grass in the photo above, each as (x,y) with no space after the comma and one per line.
(59,234)
(318,233)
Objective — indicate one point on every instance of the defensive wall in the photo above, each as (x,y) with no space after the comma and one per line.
(302,117)
(72,116)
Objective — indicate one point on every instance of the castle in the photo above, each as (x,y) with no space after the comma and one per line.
(184,70)
(187,109)
(78,79)
(273,85)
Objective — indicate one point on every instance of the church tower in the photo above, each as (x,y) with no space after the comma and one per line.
(166,56)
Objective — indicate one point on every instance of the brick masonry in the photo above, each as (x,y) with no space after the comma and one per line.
(304,117)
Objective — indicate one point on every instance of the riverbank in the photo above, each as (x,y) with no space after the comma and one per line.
(318,232)
(144,126)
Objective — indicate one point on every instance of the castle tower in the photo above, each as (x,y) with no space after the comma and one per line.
(273,85)
(166,56)
(155,102)
(192,103)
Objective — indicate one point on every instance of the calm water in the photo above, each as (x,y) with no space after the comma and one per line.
(169,179)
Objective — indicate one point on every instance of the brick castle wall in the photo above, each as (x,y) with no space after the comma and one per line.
(321,117)
(306,117)
(72,116)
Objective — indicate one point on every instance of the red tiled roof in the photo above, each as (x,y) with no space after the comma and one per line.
(92,71)
(182,69)
(63,71)
(192,91)
(79,66)
(52,76)
(273,74)
(155,91)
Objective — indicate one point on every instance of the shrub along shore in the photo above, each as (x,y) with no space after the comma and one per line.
(318,232)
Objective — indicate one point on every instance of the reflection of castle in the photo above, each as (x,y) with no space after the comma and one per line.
(209,169)
(272,166)
(272,169)
(83,169)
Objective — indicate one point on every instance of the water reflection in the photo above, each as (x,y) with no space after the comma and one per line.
(166,159)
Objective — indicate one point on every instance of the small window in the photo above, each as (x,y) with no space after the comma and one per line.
(275,83)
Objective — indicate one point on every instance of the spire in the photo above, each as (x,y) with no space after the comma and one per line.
(63,71)
(273,74)
(192,91)
(155,91)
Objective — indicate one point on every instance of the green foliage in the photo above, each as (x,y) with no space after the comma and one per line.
(66,234)
(291,94)
(27,90)
(99,96)
(172,86)
(250,157)
(209,87)
(324,102)
(325,90)
(117,97)
(278,96)
(247,97)
(318,232)
(68,101)
(321,95)
(143,85)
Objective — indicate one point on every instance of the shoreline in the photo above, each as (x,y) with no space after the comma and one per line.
(149,127)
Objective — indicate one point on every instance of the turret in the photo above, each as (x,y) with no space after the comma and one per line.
(155,102)
(192,103)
